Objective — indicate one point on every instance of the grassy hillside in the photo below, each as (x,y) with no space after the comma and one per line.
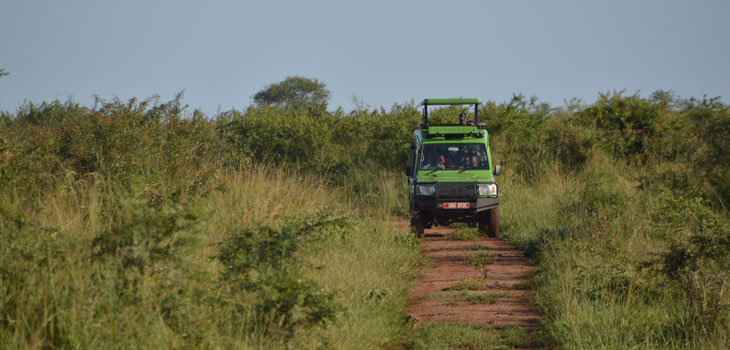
(131,225)
(623,206)
(266,258)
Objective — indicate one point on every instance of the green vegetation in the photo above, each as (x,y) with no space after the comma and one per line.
(516,337)
(465,234)
(625,217)
(485,298)
(477,247)
(460,336)
(468,284)
(474,298)
(456,336)
(480,259)
(131,226)
(526,285)
(138,224)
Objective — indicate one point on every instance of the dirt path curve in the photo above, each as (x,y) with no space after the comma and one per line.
(505,278)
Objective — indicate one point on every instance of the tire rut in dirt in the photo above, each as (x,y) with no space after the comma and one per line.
(510,268)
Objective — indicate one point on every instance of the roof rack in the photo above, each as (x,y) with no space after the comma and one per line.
(453,131)
(451,101)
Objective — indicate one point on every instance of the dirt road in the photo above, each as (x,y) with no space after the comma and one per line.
(461,287)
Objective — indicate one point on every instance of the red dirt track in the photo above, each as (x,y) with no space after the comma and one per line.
(450,266)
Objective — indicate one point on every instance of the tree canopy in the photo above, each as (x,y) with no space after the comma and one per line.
(293,92)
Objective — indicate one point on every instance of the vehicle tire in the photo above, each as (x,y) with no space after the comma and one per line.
(418,223)
(493,223)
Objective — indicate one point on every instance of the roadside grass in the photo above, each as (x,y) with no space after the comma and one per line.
(456,336)
(600,252)
(67,267)
(516,337)
(446,335)
(524,285)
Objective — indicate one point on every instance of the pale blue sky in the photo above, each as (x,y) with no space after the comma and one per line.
(383,52)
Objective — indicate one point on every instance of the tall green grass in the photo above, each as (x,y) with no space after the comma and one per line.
(138,224)
(90,266)
(132,226)
(612,273)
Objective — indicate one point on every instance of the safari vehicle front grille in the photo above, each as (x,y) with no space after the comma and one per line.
(456,189)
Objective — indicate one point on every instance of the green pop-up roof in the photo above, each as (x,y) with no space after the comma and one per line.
(452,129)
(451,101)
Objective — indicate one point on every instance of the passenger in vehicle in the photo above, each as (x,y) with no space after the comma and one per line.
(435,160)
(464,119)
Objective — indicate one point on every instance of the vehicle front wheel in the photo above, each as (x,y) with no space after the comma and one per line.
(418,223)
(493,223)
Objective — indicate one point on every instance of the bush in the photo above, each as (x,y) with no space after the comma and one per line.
(698,138)
(628,123)
(148,237)
(697,258)
(264,261)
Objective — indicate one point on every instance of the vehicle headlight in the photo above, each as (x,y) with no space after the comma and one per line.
(488,189)
(425,190)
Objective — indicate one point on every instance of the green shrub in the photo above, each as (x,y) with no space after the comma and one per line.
(148,237)
(264,261)
(697,258)
(696,136)
(628,123)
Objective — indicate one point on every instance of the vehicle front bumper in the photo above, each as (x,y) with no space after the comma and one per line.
(476,205)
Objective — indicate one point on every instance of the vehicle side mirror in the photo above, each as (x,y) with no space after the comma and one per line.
(497,170)
(408,170)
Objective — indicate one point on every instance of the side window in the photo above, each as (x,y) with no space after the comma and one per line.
(414,157)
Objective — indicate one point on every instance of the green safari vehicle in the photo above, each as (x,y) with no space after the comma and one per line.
(450,176)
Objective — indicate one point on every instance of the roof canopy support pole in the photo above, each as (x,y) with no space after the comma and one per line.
(425,114)
(476,114)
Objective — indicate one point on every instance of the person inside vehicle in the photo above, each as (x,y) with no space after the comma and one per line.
(464,119)
(435,160)
(470,158)
(473,161)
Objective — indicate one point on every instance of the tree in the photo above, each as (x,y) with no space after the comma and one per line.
(293,92)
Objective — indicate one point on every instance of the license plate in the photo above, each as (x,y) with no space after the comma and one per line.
(456,205)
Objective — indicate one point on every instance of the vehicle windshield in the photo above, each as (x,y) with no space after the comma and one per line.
(454,156)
